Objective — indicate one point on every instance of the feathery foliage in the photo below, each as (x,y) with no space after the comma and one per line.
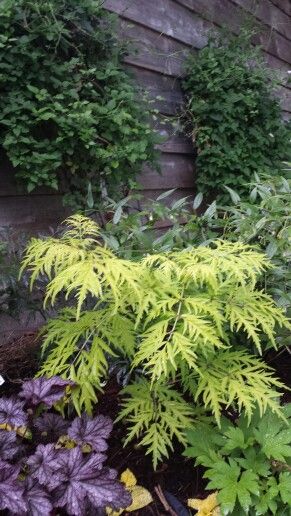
(176,316)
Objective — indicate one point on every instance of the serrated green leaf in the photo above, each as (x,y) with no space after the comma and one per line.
(274,435)
(284,486)
(235,439)
(232,484)
(234,195)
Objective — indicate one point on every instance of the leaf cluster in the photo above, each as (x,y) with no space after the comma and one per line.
(248,463)
(132,230)
(70,117)
(61,465)
(233,115)
(264,218)
(175,316)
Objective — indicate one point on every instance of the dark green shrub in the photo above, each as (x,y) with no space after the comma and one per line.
(233,115)
(70,118)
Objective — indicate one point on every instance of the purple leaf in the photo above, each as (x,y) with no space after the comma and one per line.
(51,426)
(8,445)
(11,490)
(44,465)
(36,499)
(44,390)
(86,483)
(85,430)
(12,412)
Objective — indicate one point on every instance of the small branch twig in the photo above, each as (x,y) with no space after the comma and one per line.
(163,501)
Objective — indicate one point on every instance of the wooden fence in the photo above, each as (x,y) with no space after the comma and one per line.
(163,31)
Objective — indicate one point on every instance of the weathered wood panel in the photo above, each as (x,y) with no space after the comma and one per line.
(265,11)
(284,5)
(225,12)
(165,17)
(153,50)
(222,11)
(176,172)
(31,213)
(162,33)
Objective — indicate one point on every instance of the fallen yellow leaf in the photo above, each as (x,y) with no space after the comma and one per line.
(207,507)
(141,497)
(23,431)
(65,442)
(128,478)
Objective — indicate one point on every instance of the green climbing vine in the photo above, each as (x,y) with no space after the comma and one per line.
(233,115)
(70,117)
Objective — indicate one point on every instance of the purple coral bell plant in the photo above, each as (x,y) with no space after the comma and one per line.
(48,463)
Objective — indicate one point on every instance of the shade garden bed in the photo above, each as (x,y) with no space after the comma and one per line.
(175,480)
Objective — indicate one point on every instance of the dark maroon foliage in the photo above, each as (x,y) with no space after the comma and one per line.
(54,475)
(85,430)
(44,390)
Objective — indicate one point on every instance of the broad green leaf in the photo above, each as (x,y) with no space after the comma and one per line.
(274,435)
(233,485)
(235,440)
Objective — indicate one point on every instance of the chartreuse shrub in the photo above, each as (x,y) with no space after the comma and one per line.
(175,316)
(249,465)
(233,115)
(48,463)
(70,117)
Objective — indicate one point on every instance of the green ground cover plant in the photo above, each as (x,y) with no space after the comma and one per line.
(249,464)
(233,115)
(177,317)
(70,116)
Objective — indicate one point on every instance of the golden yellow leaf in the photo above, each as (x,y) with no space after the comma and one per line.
(65,442)
(23,431)
(207,507)
(141,497)
(111,512)
(6,426)
(128,478)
